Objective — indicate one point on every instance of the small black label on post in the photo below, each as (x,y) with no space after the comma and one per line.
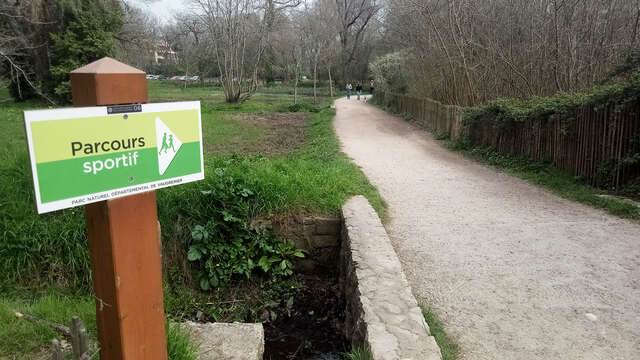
(121,109)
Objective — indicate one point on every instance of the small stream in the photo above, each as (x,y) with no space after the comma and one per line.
(314,329)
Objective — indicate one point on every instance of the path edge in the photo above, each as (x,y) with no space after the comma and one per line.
(381,311)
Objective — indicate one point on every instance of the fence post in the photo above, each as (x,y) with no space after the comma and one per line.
(123,236)
(79,340)
(56,350)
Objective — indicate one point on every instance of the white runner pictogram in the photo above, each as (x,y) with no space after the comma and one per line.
(168,145)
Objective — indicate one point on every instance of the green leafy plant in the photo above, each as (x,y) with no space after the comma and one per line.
(228,244)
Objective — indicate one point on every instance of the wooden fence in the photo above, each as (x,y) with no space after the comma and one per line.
(601,145)
(426,113)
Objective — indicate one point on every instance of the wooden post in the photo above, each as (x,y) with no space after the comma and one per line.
(79,339)
(123,236)
(56,350)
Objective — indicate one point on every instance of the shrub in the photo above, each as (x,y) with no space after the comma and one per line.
(224,243)
(88,37)
(303,107)
(389,71)
(504,112)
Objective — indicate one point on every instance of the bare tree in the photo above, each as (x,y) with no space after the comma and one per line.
(137,38)
(24,41)
(353,17)
(468,51)
(315,20)
(239,30)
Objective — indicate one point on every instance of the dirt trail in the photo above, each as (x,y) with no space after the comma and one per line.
(513,271)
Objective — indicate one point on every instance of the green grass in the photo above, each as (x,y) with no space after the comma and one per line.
(52,248)
(544,174)
(166,90)
(23,339)
(318,178)
(42,253)
(179,344)
(360,353)
(449,349)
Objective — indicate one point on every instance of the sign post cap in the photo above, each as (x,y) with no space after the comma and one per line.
(107,65)
(108,82)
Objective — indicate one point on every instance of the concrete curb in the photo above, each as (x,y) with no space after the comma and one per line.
(381,309)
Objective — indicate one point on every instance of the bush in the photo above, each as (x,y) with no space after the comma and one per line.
(89,37)
(303,107)
(564,105)
(389,71)
(225,243)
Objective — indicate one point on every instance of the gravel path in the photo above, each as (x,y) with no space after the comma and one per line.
(513,271)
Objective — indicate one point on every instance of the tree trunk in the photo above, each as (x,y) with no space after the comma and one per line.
(315,80)
(295,86)
(186,73)
(330,81)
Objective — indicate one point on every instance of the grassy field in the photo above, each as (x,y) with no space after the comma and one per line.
(291,160)
(164,90)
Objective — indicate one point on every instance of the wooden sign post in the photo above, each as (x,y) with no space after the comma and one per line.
(123,236)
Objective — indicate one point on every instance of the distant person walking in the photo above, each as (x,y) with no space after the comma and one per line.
(359,90)
(371,87)
(349,88)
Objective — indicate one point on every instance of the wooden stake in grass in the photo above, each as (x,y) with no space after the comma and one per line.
(79,339)
(56,350)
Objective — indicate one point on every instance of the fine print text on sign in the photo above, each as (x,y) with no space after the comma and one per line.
(84,155)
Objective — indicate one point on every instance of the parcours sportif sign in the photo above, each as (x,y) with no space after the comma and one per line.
(84,155)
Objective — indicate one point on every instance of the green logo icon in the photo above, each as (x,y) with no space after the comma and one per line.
(168,144)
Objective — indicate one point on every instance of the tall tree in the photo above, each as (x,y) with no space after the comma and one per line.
(239,30)
(41,40)
(468,51)
(353,18)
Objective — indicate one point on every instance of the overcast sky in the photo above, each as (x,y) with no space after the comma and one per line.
(162,9)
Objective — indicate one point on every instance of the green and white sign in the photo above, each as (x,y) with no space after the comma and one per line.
(85,155)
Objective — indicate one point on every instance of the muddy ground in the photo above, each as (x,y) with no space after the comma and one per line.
(279,134)
(312,328)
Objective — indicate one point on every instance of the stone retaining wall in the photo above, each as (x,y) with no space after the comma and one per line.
(318,235)
(381,310)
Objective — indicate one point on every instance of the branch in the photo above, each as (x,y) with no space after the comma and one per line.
(59,327)
(26,78)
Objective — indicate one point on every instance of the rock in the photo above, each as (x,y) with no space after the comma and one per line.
(328,226)
(224,341)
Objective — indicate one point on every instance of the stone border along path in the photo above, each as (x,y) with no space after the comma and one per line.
(513,271)
(381,310)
